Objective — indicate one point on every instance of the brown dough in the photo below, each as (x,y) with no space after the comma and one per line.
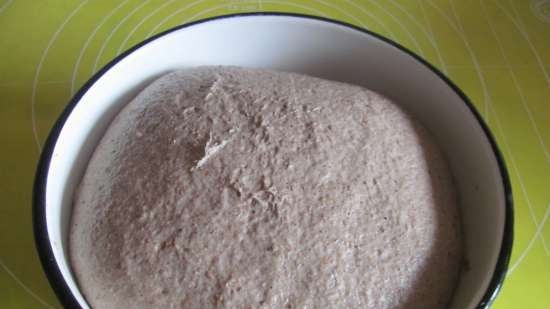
(223,187)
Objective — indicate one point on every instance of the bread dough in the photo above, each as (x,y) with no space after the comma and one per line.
(224,187)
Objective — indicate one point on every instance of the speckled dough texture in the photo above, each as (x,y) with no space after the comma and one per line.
(223,187)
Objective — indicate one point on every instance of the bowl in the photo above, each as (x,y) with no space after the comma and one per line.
(297,43)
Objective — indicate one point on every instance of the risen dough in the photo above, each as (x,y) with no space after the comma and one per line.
(222,187)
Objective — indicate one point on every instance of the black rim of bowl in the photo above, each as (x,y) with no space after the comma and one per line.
(43,244)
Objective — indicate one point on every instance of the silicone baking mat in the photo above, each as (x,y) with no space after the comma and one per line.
(497,51)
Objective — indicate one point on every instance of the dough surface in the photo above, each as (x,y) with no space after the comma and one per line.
(223,187)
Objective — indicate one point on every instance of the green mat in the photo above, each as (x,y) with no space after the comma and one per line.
(497,51)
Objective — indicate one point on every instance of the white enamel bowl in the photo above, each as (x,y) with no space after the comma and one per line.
(296,43)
